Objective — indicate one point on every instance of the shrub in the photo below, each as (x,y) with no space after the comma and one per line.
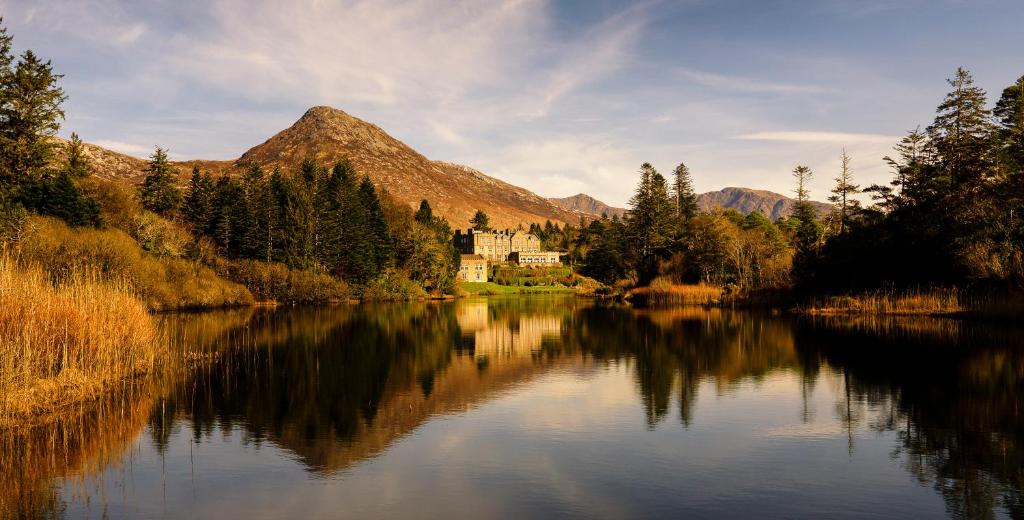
(393,285)
(162,283)
(274,281)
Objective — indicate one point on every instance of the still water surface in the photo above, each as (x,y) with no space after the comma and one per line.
(544,407)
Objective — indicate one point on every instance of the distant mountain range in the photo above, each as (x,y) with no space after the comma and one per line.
(453,190)
(745,200)
(587,206)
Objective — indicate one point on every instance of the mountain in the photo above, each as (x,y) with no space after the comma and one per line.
(327,134)
(453,190)
(587,206)
(744,200)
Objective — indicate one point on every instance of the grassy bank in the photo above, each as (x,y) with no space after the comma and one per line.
(516,279)
(161,281)
(67,341)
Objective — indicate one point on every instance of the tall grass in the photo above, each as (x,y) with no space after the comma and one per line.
(67,341)
(661,292)
(909,302)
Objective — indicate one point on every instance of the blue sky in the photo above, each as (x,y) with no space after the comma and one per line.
(558,97)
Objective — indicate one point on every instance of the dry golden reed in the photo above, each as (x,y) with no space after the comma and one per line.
(67,341)
(918,301)
(660,292)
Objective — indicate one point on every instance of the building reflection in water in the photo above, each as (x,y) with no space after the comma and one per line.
(506,334)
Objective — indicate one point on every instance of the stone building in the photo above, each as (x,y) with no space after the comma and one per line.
(539,258)
(472,268)
(496,246)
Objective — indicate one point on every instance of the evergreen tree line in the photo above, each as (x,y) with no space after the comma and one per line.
(953,213)
(326,220)
(30,115)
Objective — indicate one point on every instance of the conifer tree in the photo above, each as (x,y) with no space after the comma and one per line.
(649,224)
(682,192)
(30,115)
(424,215)
(198,201)
(913,180)
(960,137)
(843,192)
(481,222)
(1009,112)
(808,231)
(76,163)
(160,194)
(381,247)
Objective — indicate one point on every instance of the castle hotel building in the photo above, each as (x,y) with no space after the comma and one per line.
(505,246)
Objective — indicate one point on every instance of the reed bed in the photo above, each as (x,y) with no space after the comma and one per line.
(67,341)
(658,294)
(911,302)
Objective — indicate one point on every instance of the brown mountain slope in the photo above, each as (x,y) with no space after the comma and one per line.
(454,191)
(327,135)
(587,206)
(744,200)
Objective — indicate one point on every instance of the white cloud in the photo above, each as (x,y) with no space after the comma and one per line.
(447,134)
(819,137)
(563,166)
(131,35)
(748,85)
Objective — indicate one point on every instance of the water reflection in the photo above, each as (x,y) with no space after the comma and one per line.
(337,386)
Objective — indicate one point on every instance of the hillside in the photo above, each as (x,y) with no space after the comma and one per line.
(745,200)
(587,206)
(327,135)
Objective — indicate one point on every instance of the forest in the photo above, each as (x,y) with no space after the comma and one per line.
(952,216)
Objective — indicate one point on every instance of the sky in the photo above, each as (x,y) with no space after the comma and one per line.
(558,97)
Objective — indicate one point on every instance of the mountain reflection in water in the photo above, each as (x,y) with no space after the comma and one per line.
(542,405)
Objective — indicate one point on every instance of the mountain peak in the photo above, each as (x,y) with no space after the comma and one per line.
(324,112)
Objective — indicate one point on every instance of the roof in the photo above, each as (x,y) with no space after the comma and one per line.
(472,257)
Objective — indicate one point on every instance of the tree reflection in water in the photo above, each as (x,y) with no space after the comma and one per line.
(337,385)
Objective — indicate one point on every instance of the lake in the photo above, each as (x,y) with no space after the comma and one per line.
(542,406)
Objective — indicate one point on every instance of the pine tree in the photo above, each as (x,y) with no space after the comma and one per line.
(649,223)
(424,215)
(1009,112)
(808,232)
(58,194)
(682,192)
(960,137)
(382,249)
(842,194)
(76,163)
(913,176)
(198,201)
(30,114)
(159,191)
(481,222)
